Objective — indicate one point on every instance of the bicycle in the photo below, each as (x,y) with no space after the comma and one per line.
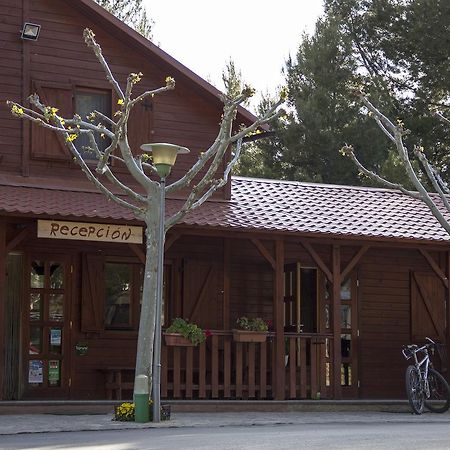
(425,386)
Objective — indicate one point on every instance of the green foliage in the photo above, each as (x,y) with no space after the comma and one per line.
(234,85)
(257,324)
(188,330)
(398,52)
(131,12)
(404,43)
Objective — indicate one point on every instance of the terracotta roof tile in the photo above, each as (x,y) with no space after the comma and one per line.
(263,205)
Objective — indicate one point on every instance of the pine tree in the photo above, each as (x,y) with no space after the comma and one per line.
(399,52)
(131,12)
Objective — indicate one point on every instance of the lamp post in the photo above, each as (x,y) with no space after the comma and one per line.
(164,157)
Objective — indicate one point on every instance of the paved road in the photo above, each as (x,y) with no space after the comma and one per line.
(218,430)
(354,435)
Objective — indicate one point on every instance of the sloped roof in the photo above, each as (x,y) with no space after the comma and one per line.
(258,205)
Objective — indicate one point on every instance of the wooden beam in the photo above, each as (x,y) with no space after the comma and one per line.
(447,299)
(355,260)
(137,250)
(264,252)
(170,240)
(336,314)
(226,283)
(318,260)
(278,306)
(435,267)
(3,256)
(18,238)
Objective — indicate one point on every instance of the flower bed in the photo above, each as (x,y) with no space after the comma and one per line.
(125,412)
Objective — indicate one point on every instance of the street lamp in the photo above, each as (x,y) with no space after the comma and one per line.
(164,157)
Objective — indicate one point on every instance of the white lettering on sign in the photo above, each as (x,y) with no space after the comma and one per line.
(57,229)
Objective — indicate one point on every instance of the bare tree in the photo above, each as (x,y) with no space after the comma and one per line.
(204,174)
(396,132)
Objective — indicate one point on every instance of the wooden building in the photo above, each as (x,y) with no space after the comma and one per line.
(346,275)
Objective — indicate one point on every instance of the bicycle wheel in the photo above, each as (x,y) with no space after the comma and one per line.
(414,389)
(439,400)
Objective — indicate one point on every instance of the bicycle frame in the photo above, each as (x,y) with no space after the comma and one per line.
(425,361)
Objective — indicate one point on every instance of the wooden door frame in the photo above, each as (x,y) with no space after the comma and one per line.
(66,370)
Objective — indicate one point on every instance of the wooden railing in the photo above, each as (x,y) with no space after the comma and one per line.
(308,365)
(223,369)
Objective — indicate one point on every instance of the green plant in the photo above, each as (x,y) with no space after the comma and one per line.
(188,330)
(125,412)
(257,324)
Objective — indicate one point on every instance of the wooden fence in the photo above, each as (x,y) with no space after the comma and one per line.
(223,369)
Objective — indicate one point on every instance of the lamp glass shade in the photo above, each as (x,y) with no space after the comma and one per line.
(30,31)
(164,156)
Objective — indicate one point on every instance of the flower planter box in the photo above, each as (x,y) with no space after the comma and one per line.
(177,340)
(249,336)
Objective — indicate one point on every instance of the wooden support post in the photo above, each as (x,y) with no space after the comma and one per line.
(447,332)
(279,388)
(3,256)
(336,314)
(226,283)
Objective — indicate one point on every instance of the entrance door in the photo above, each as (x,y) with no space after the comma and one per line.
(46,327)
(349,337)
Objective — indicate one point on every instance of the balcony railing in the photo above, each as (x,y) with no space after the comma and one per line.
(223,369)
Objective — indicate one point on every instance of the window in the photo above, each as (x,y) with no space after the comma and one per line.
(111,293)
(87,101)
(123,283)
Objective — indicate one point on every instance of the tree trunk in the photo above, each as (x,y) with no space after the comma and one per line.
(144,356)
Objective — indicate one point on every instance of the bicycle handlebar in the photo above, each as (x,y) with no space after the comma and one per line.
(409,350)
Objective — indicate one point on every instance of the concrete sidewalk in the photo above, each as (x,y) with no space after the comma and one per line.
(51,423)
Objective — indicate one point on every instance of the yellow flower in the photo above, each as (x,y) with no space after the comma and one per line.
(170,82)
(71,137)
(120,101)
(135,77)
(284,93)
(16,110)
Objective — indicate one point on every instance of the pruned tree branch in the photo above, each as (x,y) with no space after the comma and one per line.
(208,172)
(194,201)
(89,38)
(395,133)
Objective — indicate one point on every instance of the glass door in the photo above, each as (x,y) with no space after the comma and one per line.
(349,335)
(46,327)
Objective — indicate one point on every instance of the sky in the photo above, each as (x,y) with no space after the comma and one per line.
(257,35)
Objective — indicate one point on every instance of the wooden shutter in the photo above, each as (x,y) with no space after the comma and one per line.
(93,293)
(46,144)
(427,307)
(140,125)
(202,293)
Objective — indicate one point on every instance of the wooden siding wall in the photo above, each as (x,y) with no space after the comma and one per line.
(251,282)
(384,319)
(10,85)
(61,58)
(383,294)
(106,348)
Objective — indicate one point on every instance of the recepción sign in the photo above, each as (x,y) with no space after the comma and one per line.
(58,229)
